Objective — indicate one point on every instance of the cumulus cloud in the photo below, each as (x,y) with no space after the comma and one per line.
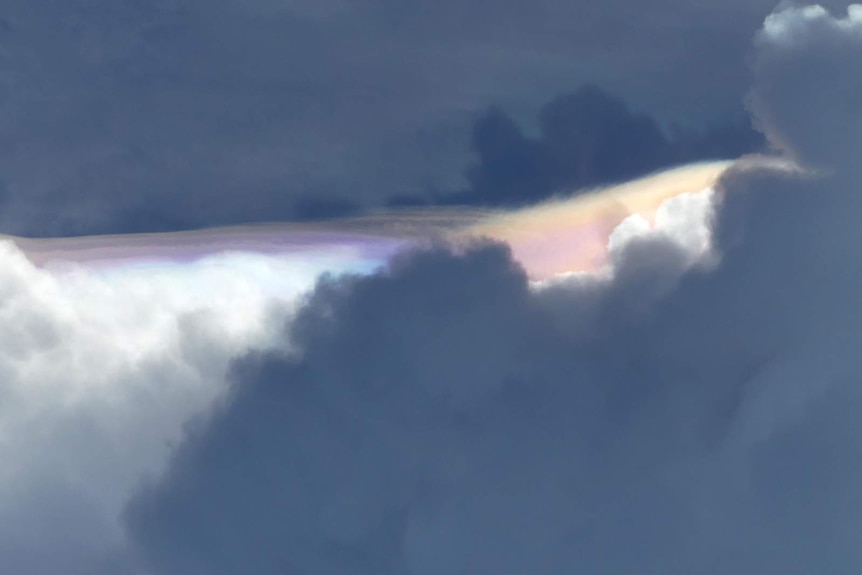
(99,371)
(446,417)
(803,61)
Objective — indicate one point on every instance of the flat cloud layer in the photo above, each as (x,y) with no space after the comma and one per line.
(444,417)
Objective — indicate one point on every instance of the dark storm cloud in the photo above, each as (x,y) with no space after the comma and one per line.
(442,417)
(586,138)
(124,115)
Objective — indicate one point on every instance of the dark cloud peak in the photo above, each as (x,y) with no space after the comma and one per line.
(591,136)
(508,161)
(586,138)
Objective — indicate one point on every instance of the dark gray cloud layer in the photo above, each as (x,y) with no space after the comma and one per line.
(122,116)
(444,418)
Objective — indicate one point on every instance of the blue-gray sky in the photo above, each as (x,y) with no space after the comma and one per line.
(124,115)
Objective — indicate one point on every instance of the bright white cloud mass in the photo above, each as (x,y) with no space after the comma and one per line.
(687,403)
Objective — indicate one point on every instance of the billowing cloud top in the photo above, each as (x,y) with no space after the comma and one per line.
(689,406)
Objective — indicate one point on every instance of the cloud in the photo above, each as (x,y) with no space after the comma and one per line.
(445,416)
(395,436)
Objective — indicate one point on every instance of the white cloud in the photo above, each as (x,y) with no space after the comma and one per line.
(806,94)
(100,371)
